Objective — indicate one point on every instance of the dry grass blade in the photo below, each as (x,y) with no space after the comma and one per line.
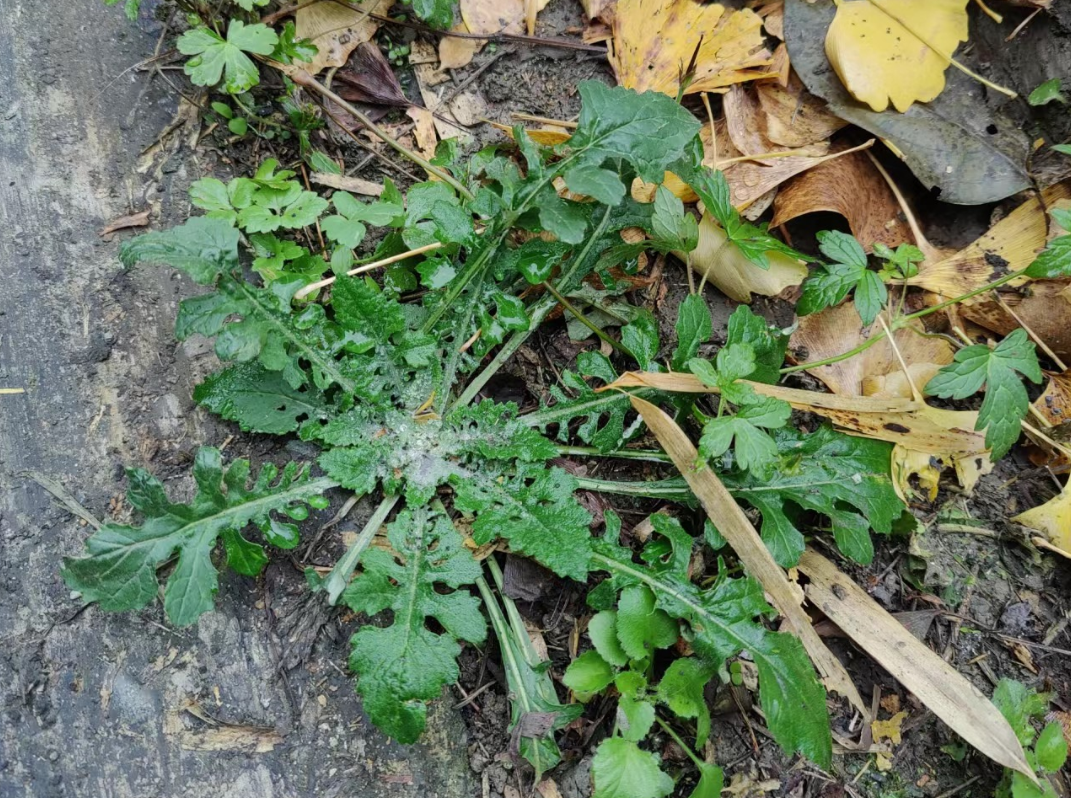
(936,683)
(913,424)
(743,537)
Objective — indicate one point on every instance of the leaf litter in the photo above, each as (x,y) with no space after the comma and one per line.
(389,410)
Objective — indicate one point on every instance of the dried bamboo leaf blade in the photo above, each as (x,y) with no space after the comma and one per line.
(936,683)
(743,537)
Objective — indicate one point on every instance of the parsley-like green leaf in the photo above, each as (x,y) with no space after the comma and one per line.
(1006,401)
(215,57)
(119,568)
(830,284)
(767,344)
(290,48)
(404,665)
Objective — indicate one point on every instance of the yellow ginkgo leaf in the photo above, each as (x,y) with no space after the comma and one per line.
(878,59)
(654,40)
(1053,519)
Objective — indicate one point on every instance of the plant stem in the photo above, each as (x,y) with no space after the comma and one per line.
(651,455)
(538,313)
(339,577)
(565,303)
(311,287)
(699,763)
(672,489)
(305,80)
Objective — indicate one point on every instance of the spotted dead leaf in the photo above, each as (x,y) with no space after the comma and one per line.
(1053,520)
(725,266)
(907,422)
(1009,245)
(877,370)
(336,29)
(852,187)
(895,50)
(653,40)
(793,116)
(547,136)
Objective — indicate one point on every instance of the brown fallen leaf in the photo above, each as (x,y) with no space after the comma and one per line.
(1044,305)
(852,187)
(140,219)
(1053,519)
(908,422)
(424,130)
(773,16)
(1054,405)
(876,371)
(653,38)
(934,682)
(1009,245)
(746,542)
(368,78)
(724,266)
(793,116)
(336,29)
(424,59)
(745,122)
(456,52)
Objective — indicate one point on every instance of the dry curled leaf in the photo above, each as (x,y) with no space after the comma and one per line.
(727,268)
(456,52)
(336,30)
(1010,244)
(1054,405)
(878,59)
(496,16)
(793,116)
(746,122)
(1044,305)
(875,371)
(655,39)
(938,685)
(852,187)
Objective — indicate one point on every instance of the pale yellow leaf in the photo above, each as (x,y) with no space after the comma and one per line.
(726,267)
(653,39)
(1053,519)
(878,59)
(888,729)
(934,682)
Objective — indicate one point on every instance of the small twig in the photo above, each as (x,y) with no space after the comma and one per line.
(9,391)
(470,697)
(1023,24)
(275,16)
(544,120)
(961,787)
(454,92)
(920,240)
(915,393)
(60,494)
(993,15)
(305,80)
(304,292)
